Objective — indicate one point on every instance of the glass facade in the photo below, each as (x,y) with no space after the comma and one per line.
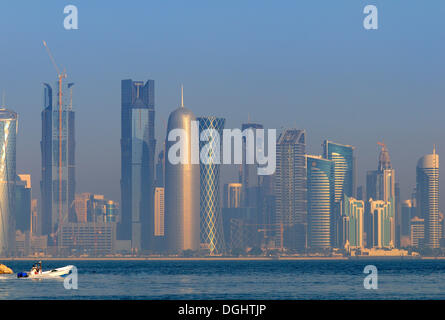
(382,217)
(291,189)
(344,181)
(58,159)
(211,129)
(319,201)
(428,197)
(353,223)
(137,164)
(8,133)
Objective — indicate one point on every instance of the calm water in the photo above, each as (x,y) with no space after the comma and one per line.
(398,279)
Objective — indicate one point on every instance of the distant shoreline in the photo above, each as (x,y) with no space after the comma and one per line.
(222,258)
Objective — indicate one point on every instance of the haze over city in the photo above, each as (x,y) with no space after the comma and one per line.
(237,60)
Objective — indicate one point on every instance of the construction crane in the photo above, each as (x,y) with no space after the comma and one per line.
(60,76)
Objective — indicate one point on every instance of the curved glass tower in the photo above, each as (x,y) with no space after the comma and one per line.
(428,197)
(182,187)
(319,188)
(344,181)
(211,129)
(8,132)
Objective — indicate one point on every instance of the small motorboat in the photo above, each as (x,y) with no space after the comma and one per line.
(36,272)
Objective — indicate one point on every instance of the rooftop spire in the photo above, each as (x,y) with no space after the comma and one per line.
(182,96)
(434,148)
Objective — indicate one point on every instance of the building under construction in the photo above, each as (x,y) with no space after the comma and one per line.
(58,150)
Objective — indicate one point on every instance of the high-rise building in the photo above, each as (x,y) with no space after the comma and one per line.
(212,237)
(8,133)
(406,216)
(111,211)
(58,159)
(353,223)
(291,189)
(232,195)
(249,175)
(381,185)
(428,197)
(137,164)
(382,227)
(344,181)
(319,201)
(159,212)
(417,231)
(81,204)
(23,198)
(182,223)
(160,168)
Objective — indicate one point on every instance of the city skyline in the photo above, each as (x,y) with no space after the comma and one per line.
(360,74)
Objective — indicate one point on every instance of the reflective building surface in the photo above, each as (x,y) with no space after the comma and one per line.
(8,132)
(291,189)
(211,129)
(58,159)
(182,223)
(344,180)
(319,188)
(137,164)
(428,197)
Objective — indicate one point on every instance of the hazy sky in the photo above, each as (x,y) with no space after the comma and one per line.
(307,64)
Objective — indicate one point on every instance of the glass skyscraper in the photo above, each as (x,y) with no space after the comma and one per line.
(428,197)
(211,129)
(291,189)
(137,164)
(8,133)
(344,181)
(353,223)
(380,185)
(319,201)
(58,159)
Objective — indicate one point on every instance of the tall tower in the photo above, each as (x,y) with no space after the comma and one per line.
(58,159)
(428,196)
(182,225)
(8,132)
(319,201)
(249,172)
(211,129)
(137,164)
(344,180)
(291,188)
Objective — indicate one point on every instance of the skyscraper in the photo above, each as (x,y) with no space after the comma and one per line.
(137,164)
(344,180)
(159,212)
(8,132)
(58,159)
(319,201)
(182,225)
(210,129)
(382,223)
(291,188)
(23,198)
(380,185)
(428,197)
(353,223)
(249,175)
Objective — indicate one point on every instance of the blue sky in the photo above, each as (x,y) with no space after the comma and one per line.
(307,64)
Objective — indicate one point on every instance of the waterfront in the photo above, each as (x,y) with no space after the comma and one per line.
(236,279)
